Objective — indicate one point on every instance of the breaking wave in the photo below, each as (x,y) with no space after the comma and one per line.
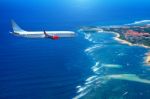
(142,22)
(107,73)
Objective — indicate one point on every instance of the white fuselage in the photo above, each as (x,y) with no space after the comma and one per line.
(40,34)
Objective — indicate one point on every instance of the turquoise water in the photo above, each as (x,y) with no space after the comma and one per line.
(89,66)
(118,70)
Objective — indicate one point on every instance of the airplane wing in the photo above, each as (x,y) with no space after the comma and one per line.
(53,37)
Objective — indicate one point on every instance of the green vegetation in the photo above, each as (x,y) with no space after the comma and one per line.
(133,37)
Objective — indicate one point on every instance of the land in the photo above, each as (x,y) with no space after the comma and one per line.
(134,34)
(147,58)
(129,34)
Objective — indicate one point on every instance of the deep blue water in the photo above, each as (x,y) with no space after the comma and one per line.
(46,69)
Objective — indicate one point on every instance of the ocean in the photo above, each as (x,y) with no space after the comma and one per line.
(119,71)
(89,66)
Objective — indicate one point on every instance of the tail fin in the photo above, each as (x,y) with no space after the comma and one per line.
(15,27)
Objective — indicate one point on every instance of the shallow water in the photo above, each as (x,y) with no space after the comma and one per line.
(118,70)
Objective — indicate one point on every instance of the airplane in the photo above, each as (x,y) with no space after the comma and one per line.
(54,35)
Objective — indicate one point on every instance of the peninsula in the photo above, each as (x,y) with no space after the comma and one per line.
(129,34)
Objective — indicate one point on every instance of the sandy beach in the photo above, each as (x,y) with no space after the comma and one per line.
(147,55)
(120,40)
(147,58)
(126,42)
(117,38)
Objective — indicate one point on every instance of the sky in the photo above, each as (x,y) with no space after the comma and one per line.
(76,12)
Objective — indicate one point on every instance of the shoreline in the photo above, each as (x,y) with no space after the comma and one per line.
(147,55)
(127,42)
(120,40)
(147,59)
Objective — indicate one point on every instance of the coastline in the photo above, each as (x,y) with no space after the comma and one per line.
(127,42)
(147,55)
(147,59)
(120,40)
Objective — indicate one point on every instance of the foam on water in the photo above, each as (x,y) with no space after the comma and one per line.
(87,87)
(91,78)
(91,49)
(101,71)
(111,65)
(88,36)
(140,22)
(96,67)
(95,82)
(129,77)
(81,95)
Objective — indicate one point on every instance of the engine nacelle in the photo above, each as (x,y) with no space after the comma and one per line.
(55,37)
